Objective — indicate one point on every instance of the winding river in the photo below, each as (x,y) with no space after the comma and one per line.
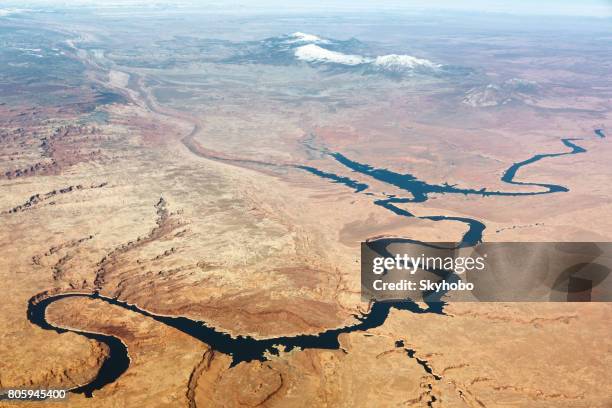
(241,348)
(421,190)
(245,348)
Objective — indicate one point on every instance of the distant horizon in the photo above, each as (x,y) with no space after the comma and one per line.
(586,8)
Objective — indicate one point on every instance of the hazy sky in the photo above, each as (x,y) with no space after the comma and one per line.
(596,8)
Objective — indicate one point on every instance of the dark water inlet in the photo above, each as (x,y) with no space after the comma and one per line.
(359,187)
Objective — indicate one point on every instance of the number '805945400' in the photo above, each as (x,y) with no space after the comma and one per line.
(29,394)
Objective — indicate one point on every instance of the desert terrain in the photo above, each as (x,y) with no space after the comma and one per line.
(216,174)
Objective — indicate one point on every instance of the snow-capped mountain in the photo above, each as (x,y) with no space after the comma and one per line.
(352,54)
(395,62)
(317,50)
(315,54)
(299,37)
